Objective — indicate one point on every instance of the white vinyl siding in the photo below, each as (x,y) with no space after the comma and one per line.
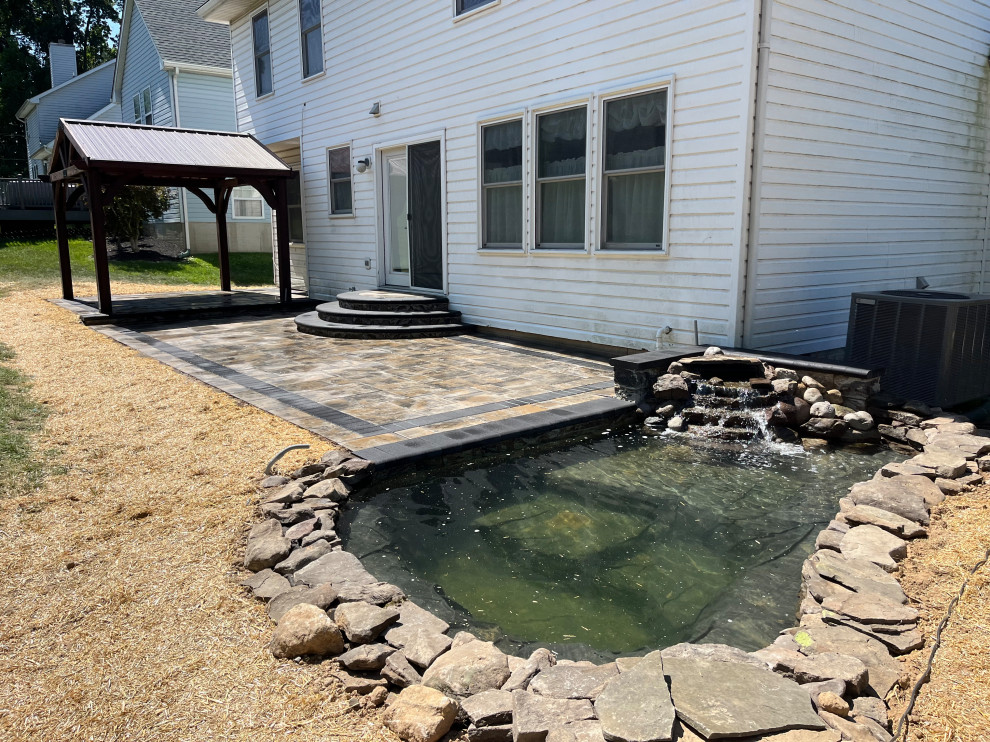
(875,164)
(518,59)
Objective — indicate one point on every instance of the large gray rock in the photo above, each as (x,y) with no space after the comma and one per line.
(968,446)
(361,684)
(267,584)
(540,660)
(420,714)
(816,637)
(468,669)
(306,629)
(275,480)
(898,639)
(363,622)
(826,666)
(573,681)
(299,558)
(366,657)
(266,546)
(849,729)
(635,706)
(941,463)
(534,716)
(497,733)
(489,708)
(322,596)
(671,387)
(399,672)
(293,514)
(734,699)
(869,515)
(337,568)
(874,544)
(901,495)
(857,575)
(904,468)
(872,609)
(712,652)
(287,494)
(423,647)
(412,620)
(333,490)
(376,593)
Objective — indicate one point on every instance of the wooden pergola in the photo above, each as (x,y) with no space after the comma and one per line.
(105,157)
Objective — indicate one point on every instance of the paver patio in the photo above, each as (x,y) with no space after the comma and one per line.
(364,393)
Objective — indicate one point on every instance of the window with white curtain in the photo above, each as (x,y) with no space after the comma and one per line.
(466,6)
(502,185)
(561,175)
(247,203)
(339,170)
(311,30)
(634,172)
(262,54)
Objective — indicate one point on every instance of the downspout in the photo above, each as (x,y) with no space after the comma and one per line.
(173,80)
(751,252)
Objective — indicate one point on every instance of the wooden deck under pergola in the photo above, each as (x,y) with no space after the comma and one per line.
(106,157)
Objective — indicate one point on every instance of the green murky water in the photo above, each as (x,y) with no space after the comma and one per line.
(612,545)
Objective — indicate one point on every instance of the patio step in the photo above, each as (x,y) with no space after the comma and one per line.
(311,324)
(334,312)
(382,300)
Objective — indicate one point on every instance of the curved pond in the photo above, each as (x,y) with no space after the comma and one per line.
(613,545)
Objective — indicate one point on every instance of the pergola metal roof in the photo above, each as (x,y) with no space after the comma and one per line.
(106,157)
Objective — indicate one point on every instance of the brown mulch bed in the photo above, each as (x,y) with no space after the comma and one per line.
(955,705)
(121,613)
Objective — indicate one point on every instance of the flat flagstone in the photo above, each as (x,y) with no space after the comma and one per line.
(734,699)
(635,705)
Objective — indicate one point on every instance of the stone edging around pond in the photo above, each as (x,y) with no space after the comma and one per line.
(839,662)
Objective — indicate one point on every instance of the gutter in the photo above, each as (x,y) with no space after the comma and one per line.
(173,82)
(751,250)
(199,69)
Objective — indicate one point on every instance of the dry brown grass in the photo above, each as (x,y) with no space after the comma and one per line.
(955,705)
(120,610)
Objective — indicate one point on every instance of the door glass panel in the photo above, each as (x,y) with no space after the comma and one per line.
(398,224)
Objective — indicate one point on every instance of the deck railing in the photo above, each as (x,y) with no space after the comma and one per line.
(29,195)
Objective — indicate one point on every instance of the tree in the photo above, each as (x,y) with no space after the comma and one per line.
(27,27)
(132,208)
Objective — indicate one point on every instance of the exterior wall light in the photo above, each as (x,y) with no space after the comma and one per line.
(363,164)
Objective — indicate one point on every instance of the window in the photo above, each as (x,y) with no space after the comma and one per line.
(634,171)
(143,113)
(295,210)
(501,184)
(561,156)
(262,55)
(466,6)
(247,203)
(339,167)
(310,24)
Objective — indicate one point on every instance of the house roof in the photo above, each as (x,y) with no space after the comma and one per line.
(157,150)
(183,37)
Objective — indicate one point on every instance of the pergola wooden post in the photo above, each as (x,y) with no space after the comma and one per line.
(220,194)
(123,154)
(62,237)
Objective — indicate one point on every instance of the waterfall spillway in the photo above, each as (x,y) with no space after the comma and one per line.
(730,410)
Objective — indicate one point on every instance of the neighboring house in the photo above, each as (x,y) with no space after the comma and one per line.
(71,96)
(601,170)
(174,70)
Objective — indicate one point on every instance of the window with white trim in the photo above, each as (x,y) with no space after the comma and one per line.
(339,170)
(143,113)
(634,171)
(247,203)
(502,185)
(561,178)
(466,6)
(311,37)
(262,54)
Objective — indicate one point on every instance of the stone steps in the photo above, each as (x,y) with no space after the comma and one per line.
(383,314)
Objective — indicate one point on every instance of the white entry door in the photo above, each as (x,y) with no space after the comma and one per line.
(395,189)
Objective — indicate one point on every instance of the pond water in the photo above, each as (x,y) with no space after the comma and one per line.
(613,545)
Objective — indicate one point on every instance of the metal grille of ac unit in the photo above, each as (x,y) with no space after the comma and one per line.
(934,346)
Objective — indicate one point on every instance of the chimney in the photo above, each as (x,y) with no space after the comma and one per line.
(62,59)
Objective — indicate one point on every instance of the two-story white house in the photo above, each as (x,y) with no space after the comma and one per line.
(71,96)
(602,170)
(173,69)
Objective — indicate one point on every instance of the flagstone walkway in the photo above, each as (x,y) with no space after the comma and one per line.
(367,393)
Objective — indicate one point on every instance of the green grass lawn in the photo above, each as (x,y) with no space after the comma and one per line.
(21,467)
(34,263)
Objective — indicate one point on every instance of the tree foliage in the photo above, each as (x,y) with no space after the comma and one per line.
(27,27)
(132,208)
